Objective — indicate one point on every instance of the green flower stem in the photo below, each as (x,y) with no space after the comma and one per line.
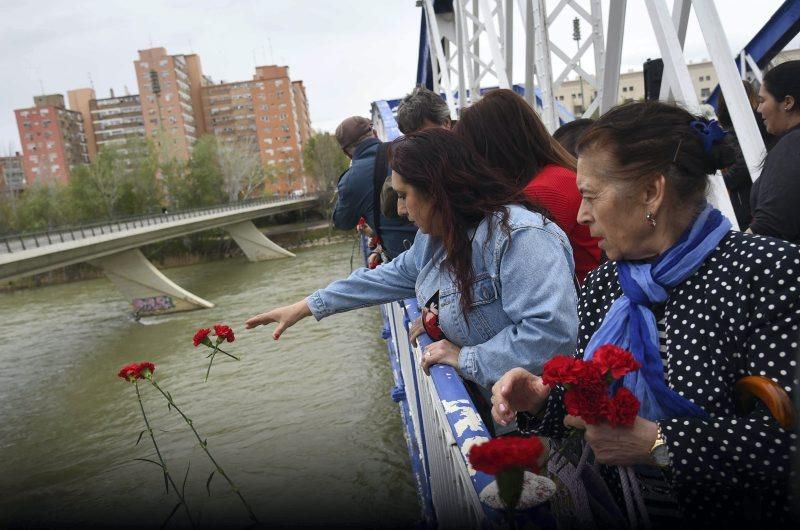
(161,458)
(208,371)
(203,445)
(220,350)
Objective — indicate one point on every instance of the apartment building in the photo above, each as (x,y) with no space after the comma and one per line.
(169,89)
(117,119)
(577,96)
(79,101)
(53,140)
(267,115)
(12,177)
(303,116)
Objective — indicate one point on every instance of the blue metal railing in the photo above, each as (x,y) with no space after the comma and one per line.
(27,240)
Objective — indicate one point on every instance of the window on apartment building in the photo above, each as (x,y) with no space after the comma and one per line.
(279,93)
(285,128)
(278,82)
(708,78)
(34,159)
(624,89)
(26,124)
(705,92)
(163,62)
(144,65)
(284,115)
(44,111)
(630,89)
(700,78)
(264,118)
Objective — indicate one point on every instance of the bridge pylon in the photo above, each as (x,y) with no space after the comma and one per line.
(149,291)
(255,245)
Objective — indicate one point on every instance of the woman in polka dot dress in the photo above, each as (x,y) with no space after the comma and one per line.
(699,305)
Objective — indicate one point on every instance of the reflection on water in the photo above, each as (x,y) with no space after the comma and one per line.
(305,425)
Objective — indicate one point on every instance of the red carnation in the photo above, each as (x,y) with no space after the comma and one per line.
(509,452)
(623,408)
(590,403)
(560,369)
(146,369)
(616,360)
(201,337)
(129,372)
(361,222)
(224,332)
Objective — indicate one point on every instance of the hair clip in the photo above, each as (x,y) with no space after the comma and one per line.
(709,132)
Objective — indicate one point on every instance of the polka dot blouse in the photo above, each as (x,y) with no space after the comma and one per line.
(737,315)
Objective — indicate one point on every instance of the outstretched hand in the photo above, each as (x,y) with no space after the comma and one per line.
(517,391)
(286,317)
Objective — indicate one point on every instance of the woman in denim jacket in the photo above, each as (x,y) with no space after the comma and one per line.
(497,275)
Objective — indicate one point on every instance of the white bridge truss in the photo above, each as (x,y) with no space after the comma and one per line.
(474,46)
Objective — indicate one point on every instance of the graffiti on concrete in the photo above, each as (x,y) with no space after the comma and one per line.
(152,304)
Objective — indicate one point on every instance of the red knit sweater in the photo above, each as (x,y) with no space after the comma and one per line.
(555,189)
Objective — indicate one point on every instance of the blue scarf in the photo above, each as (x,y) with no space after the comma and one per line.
(630,323)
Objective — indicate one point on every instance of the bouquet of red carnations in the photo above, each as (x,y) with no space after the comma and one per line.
(589,385)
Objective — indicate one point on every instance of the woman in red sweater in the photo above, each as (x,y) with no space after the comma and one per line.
(507,132)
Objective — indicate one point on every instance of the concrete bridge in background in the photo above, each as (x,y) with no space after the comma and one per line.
(114,247)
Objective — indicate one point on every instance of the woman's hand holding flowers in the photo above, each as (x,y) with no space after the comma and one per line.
(618,446)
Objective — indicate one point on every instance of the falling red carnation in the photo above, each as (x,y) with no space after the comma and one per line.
(615,360)
(129,372)
(224,332)
(146,366)
(623,408)
(201,337)
(507,452)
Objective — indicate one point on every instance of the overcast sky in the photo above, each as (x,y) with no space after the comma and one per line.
(347,52)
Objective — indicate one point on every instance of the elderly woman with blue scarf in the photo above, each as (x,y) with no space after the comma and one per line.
(700,307)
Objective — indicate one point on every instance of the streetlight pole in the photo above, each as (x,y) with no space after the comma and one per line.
(576,36)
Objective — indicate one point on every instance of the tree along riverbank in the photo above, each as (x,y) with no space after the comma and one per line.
(213,245)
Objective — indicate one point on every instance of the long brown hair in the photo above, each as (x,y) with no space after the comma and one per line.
(506,131)
(462,190)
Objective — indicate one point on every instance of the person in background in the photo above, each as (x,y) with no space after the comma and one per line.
(421,109)
(737,176)
(700,306)
(775,196)
(569,134)
(358,190)
(493,275)
(506,131)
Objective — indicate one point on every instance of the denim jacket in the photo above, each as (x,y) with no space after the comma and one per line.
(524,303)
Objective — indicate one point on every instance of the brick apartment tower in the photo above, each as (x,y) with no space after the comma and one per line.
(79,101)
(262,115)
(169,86)
(303,116)
(53,140)
(12,177)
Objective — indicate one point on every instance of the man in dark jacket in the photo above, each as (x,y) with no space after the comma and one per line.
(357,192)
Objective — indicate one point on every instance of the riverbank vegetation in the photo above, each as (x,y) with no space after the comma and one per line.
(134,178)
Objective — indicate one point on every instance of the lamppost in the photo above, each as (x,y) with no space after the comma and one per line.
(576,36)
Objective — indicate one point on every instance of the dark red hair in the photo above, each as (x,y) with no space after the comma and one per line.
(506,131)
(463,191)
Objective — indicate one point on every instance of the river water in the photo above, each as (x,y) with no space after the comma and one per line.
(304,426)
